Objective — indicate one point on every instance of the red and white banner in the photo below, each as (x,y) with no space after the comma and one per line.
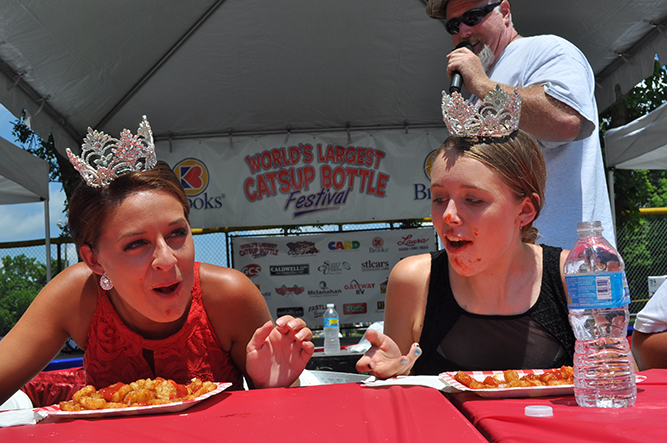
(299,275)
(305,179)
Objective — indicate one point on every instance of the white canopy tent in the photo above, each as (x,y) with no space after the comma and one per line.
(640,144)
(24,178)
(201,69)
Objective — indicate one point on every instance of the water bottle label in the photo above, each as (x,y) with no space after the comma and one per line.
(329,322)
(595,291)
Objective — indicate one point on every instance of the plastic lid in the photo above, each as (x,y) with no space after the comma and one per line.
(539,411)
(330,305)
(587,226)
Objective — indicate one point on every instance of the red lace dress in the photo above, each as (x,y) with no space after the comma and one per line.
(115,353)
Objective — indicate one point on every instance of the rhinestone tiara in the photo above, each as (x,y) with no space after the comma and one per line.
(496,115)
(129,153)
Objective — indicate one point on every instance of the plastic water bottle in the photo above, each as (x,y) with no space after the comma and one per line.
(331,330)
(598,299)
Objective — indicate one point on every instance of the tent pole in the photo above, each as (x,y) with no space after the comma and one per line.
(47,239)
(612,201)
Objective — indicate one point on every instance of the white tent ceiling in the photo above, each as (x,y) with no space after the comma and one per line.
(205,67)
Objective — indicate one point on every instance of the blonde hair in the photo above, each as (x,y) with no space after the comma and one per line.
(517,159)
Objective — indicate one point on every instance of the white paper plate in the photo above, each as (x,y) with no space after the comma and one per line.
(534,391)
(430,381)
(137,410)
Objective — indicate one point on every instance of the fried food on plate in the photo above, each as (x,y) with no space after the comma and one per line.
(511,379)
(143,392)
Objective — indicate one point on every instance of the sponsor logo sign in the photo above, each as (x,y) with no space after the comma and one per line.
(343,245)
(373,265)
(193,175)
(423,191)
(317,311)
(312,178)
(359,288)
(377,246)
(354,308)
(334,267)
(278,270)
(324,291)
(342,271)
(301,248)
(412,243)
(428,164)
(258,249)
(290,291)
(296,311)
(383,286)
(251,270)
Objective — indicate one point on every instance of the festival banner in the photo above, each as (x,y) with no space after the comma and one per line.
(299,275)
(302,179)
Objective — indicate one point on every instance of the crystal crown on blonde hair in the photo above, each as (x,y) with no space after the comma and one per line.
(129,153)
(496,116)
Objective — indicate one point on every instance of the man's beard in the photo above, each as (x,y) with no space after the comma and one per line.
(486,57)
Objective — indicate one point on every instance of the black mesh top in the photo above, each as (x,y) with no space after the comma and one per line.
(453,339)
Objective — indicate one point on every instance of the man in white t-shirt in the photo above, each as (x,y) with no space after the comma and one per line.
(649,339)
(556,85)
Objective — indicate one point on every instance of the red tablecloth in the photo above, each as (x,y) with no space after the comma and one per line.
(52,387)
(504,420)
(328,413)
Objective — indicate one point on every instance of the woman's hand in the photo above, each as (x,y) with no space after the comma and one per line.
(276,356)
(384,358)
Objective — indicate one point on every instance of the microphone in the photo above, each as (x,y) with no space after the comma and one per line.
(457,80)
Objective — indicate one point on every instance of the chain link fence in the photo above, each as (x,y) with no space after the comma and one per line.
(644,249)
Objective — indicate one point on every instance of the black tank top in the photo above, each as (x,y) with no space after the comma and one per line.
(453,339)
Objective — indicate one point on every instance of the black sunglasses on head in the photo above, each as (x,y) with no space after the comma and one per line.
(469,18)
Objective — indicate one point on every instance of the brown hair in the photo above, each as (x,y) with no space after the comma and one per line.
(517,158)
(89,207)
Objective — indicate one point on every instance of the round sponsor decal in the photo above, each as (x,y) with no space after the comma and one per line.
(377,242)
(252,270)
(428,164)
(193,175)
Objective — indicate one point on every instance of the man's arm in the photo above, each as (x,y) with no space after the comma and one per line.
(650,350)
(542,116)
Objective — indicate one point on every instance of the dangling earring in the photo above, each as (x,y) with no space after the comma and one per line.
(105,282)
(520,228)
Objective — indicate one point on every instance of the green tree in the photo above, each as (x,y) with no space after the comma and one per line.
(21,279)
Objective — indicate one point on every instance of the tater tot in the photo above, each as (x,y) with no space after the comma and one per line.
(83,392)
(93,403)
(511,379)
(143,392)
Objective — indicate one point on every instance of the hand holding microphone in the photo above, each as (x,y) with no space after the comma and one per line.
(457,80)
